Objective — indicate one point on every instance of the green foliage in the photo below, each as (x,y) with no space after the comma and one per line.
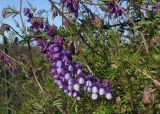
(103,52)
(108,59)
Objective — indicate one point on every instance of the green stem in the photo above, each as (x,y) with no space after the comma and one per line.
(72,106)
(29,48)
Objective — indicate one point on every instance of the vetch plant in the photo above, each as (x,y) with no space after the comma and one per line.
(67,74)
(84,56)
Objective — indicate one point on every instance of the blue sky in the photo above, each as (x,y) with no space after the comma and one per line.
(39,4)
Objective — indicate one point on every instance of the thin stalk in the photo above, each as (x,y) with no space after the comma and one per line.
(34,73)
(63,13)
(72,106)
(29,48)
(61,110)
(129,83)
(15,31)
(23,25)
(7,74)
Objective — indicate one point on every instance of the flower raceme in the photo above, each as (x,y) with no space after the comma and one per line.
(67,74)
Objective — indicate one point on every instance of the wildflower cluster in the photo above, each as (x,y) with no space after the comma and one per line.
(67,74)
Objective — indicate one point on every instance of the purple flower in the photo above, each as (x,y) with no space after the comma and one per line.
(28,13)
(94,89)
(72,5)
(101,91)
(113,9)
(76,87)
(67,74)
(94,96)
(81,81)
(108,96)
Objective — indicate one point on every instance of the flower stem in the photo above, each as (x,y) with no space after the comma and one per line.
(29,48)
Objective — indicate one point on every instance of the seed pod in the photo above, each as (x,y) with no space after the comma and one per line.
(98,22)
(147,97)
